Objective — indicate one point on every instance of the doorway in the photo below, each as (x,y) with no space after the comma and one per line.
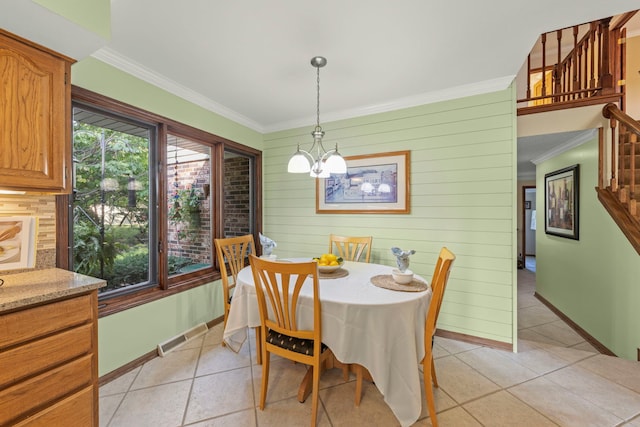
(529,226)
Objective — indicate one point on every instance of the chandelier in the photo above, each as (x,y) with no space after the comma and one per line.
(318,162)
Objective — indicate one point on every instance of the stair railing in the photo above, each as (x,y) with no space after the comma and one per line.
(625,170)
(587,69)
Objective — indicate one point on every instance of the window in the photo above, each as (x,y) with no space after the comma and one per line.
(149,196)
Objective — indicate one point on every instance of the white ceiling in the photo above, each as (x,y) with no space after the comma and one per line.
(248,60)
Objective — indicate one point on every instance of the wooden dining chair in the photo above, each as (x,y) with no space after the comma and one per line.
(438,284)
(278,286)
(232,253)
(351,248)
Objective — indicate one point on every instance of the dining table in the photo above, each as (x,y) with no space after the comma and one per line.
(364,322)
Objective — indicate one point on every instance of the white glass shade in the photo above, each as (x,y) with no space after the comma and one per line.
(298,163)
(336,164)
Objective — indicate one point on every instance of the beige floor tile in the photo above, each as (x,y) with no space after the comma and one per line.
(453,346)
(284,379)
(290,412)
(610,396)
(585,346)
(530,335)
(561,405)
(526,299)
(460,381)
(214,335)
(219,394)
(571,354)
(439,351)
(175,366)
(442,400)
(195,342)
(108,406)
(495,365)
(158,406)
(246,418)
(120,384)
(539,361)
(218,359)
(535,316)
(341,409)
(503,409)
(621,371)
(633,423)
(559,331)
(456,417)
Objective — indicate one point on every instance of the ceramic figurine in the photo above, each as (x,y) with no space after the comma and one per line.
(402,258)
(267,245)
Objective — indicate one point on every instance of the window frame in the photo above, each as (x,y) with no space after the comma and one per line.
(166,286)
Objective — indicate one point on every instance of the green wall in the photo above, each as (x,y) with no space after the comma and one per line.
(462,196)
(127,335)
(594,280)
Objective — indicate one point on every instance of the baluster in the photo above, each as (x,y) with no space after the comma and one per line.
(544,64)
(592,38)
(529,76)
(614,154)
(557,78)
(633,139)
(575,61)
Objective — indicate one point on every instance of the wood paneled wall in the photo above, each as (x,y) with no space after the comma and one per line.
(463,189)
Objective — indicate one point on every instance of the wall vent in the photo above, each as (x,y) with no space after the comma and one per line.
(175,342)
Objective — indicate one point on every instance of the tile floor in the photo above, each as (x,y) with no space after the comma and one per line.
(555,379)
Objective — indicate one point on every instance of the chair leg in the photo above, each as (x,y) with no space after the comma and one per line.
(433,374)
(358,369)
(428,391)
(314,396)
(258,345)
(265,378)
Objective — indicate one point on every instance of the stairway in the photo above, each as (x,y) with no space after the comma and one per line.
(618,193)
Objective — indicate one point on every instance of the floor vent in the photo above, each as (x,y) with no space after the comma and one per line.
(175,342)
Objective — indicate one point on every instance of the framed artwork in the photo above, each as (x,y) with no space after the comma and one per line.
(561,202)
(17,242)
(374,183)
(527,204)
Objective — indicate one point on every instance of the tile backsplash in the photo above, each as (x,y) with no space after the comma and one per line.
(43,207)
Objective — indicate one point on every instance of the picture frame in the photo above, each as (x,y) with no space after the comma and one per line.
(373,184)
(17,242)
(561,202)
(527,204)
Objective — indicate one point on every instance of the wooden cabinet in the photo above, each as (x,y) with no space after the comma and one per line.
(35,117)
(49,360)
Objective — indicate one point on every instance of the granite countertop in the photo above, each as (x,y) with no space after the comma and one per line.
(24,289)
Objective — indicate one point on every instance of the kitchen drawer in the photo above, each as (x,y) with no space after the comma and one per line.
(22,399)
(76,410)
(37,356)
(25,325)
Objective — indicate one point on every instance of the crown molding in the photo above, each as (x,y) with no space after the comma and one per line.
(573,142)
(456,92)
(129,66)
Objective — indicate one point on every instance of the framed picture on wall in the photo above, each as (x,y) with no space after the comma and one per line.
(374,183)
(561,202)
(527,204)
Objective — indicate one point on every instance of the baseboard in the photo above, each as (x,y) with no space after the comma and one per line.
(474,340)
(116,373)
(584,334)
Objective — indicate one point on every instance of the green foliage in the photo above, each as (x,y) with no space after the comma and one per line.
(88,252)
(184,211)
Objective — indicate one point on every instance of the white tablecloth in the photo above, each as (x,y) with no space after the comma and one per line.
(380,329)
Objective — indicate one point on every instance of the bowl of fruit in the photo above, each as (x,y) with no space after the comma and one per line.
(328,263)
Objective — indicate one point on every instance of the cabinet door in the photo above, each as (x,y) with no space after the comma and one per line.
(35,101)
